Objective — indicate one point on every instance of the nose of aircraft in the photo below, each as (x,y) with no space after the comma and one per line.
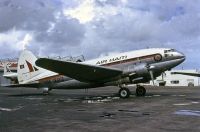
(179,55)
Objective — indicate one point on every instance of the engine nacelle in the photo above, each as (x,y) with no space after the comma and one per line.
(140,69)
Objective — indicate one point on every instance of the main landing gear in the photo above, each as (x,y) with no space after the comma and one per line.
(125,92)
(140,91)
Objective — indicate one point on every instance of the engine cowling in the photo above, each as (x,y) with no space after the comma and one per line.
(141,69)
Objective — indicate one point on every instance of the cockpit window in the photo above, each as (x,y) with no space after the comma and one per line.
(170,50)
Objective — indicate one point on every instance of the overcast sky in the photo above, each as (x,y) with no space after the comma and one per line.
(99,27)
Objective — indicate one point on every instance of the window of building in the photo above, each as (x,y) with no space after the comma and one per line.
(175,82)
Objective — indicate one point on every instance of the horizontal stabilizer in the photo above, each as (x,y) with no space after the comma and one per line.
(79,71)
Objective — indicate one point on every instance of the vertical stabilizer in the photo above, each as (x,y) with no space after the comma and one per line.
(27,69)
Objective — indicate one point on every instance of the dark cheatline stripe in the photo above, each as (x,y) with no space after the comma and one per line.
(130,60)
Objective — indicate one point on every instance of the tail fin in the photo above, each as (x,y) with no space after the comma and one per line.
(27,69)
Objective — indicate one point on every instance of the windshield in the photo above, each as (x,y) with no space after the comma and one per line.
(170,50)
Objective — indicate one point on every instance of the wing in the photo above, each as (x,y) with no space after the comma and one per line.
(79,71)
(186,73)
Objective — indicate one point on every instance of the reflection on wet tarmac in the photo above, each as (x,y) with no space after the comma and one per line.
(188,112)
(9,110)
(188,103)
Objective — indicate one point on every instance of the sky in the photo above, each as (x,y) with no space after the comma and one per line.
(96,28)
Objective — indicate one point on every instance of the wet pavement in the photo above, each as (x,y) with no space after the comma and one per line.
(100,110)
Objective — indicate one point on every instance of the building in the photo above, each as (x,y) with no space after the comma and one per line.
(12,64)
(170,79)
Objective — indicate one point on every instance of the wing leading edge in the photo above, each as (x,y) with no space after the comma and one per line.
(79,71)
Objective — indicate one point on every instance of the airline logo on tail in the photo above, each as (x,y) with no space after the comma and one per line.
(30,67)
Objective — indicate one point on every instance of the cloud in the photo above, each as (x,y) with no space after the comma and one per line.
(12,42)
(100,27)
(51,30)
(84,12)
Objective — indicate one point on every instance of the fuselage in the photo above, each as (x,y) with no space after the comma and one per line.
(133,64)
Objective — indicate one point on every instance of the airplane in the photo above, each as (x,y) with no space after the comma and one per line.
(9,74)
(132,67)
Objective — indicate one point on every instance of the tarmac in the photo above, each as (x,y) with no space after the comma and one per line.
(163,109)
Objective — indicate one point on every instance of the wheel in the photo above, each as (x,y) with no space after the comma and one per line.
(46,91)
(140,91)
(124,93)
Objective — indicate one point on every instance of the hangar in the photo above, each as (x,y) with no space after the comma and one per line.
(170,79)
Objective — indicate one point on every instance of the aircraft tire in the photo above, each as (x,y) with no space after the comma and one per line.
(46,91)
(140,91)
(124,93)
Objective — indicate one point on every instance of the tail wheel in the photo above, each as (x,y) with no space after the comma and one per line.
(124,93)
(46,91)
(140,91)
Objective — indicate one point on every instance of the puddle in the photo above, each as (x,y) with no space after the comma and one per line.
(115,98)
(181,95)
(184,104)
(9,110)
(194,102)
(156,95)
(128,110)
(30,98)
(81,110)
(145,113)
(89,100)
(99,100)
(148,96)
(188,113)
(66,100)
(106,114)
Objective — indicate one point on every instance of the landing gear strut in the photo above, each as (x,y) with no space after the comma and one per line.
(140,91)
(124,92)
